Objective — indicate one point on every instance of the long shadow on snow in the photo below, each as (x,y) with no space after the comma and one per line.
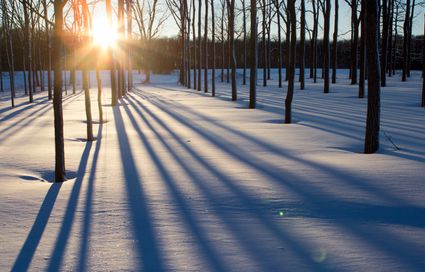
(146,240)
(243,235)
(69,216)
(322,200)
(87,222)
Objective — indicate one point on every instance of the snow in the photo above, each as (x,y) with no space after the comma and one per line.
(181,181)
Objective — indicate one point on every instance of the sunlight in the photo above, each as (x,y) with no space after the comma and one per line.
(104,35)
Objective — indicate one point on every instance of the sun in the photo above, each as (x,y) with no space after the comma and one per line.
(104,35)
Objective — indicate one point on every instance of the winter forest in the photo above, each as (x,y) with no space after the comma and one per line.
(203,135)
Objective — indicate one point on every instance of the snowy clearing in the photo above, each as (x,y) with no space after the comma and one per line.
(181,181)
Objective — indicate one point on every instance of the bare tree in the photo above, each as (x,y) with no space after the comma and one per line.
(335,42)
(28,47)
(57,98)
(150,19)
(326,8)
(231,29)
(114,92)
(291,75)
(206,48)
(373,83)
(302,46)
(129,6)
(244,42)
(253,56)
(423,69)
(362,59)
(213,48)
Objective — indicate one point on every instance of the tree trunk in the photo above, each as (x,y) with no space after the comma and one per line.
(206,48)
(244,42)
(355,35)
(199,45)
(279,41)
(231,9)
(335,43)
(194,45)
(99,95)
(373,84)
(57,98)
(406,29)
(129,46)
(302,46)
(409,41)
(28,49)
(362,50)
(384,44)
(253,56)
(263,8)
(290,93)
(423,69)
(213,49)
(86,75)
(390,38)
(114,94)
(327,17)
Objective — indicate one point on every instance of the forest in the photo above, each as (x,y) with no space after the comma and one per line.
(202,135)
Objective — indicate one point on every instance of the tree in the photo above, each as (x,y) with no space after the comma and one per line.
(279,42)
(244,42)
(114,94)
(406,29)
(28,48)
(326,7)
(86,72)
(302,46)
(213,48)
(423,69)
(129,44)
(373,85)
(150,18)
(362,60)
(253,56)
(49,53)
(206,48)
(231,28)
(291,75)
(263,11)
(199,45)
(57,98)
(384,43)
(335,43)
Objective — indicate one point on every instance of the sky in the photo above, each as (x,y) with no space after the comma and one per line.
(170,28)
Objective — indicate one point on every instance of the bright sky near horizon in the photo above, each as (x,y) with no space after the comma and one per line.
(170,28)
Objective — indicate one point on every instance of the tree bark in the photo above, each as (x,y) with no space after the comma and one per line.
(244,42)
(114,94)
(253,56)
(406,29)
(291,76)
(199,45)
(231,10)
(28,49)
(423,69)
(213,49)
(373,84)
(384,43)
(362,59)
(302,47)
(57,98)
(206,48)
(194,45)
(263,8)
(326,49)
(335,43)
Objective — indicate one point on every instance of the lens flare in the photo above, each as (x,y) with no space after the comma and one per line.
(104,35)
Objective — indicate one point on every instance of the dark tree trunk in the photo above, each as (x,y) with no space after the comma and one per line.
(406,29)
(222,40)
(390,39)
(129,46)
(206,48)
(287,45)
(231,11)
(244,42)
(423,70)
(199,45)
(373,84)
(28,49)
(253,56)
(409,41)
(335,43)
(279,41)
(302,46)
(99,95)
(114,93)
(384,44)
(263,9)
(213,49)
(355,37)
(86,76)
(327,16)
(362,51)
(57,98)
(291,76)
(194,46)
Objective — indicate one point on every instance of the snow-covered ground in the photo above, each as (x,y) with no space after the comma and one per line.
(181,181)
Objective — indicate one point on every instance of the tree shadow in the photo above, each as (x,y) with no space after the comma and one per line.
(69,216)
(27,251)
(141,218)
